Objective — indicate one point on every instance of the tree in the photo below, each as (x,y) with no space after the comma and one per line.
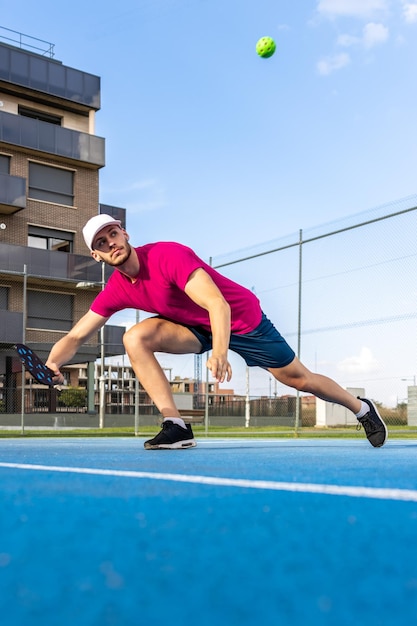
(74,397)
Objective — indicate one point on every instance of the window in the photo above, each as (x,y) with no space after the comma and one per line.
(4,164)
(4,298)
(40,115)
(50,239)
(49,311)
(51,184)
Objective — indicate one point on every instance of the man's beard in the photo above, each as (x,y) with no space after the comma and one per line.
(121,258)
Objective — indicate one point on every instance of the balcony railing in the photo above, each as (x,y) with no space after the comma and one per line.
(113,339)
(49,264)
(34,134)
(12,194)
(11,326)
(36,72)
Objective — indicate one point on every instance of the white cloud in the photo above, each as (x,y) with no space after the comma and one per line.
(410,11)
(332,64)
(347,40)
(351,8)
(364,363)
(374,34)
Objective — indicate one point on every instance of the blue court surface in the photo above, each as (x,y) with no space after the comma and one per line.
(99,531)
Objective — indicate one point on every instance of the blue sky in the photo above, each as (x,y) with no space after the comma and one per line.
(210,145)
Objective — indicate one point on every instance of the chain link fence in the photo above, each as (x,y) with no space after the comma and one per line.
(344,295)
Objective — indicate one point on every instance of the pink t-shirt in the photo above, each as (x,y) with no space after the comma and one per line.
(165,268)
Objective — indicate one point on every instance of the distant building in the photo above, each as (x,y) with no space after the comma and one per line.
(120,388)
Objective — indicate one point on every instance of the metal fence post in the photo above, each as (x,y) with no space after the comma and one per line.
(102,389)
(24,321)
(137,389)
(300,279)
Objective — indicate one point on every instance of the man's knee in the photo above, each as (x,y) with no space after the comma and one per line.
(294,375)
(141,334)
(296,382)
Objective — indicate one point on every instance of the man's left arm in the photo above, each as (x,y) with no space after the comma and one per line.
(204,292)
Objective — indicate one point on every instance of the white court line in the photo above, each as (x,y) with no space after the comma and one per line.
(409,495)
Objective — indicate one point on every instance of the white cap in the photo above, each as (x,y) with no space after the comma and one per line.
(95,224)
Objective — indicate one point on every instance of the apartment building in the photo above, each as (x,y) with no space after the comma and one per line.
(50,159)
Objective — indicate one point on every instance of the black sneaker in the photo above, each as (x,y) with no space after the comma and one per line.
(172,437)
(374,427)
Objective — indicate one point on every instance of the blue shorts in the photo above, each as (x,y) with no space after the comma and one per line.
(262,347)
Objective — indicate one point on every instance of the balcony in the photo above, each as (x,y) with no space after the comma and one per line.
(11,326)
(49,264)
(33,134)
(113,340)
(12,194)
(33,71)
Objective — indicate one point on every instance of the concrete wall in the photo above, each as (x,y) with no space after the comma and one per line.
(329,414)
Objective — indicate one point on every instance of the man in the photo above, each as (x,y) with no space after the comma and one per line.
(197,310)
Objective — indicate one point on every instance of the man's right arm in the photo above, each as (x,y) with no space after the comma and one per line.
(65,348)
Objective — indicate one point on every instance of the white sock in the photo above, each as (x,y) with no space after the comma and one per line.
(176,420)
(364,409)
